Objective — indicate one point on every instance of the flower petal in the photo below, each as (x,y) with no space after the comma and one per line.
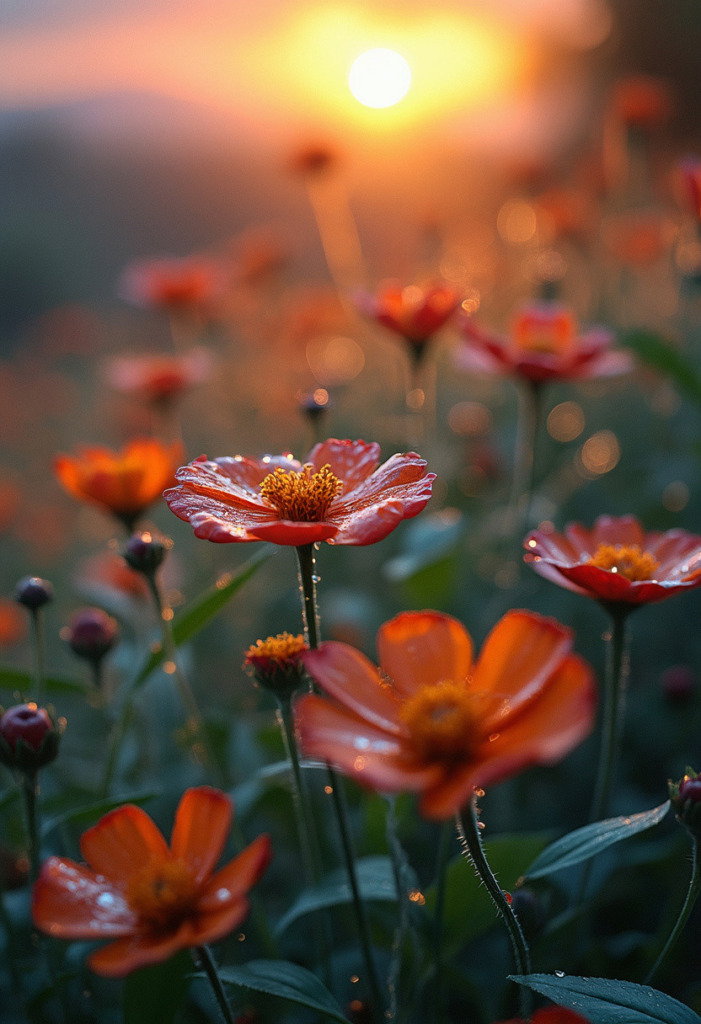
(517,659)
(352,679)
(70,902)
(624,530)
(121,842)
(237,877)
(350,461)
(417,649)
(216,924)
(368,754)
(201,828)
(284,531)
(140,950)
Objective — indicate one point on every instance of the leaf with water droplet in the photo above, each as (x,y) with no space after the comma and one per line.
(605,1001)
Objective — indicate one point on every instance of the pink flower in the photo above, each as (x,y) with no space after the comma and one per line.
(340,494)
(617,561)
(544,344)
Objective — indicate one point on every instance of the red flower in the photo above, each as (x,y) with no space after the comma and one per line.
(552,1015)
(690,174)
(341,494)
(153,899)
(183,284)
(544,344)
(159,378)
(617,561)
(432,721)
(125,482)
(415,312)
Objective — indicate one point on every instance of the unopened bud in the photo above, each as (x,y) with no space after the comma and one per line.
(144,552)
(29,737)
(276,664)
(686,800)
(33,592)
(91,633)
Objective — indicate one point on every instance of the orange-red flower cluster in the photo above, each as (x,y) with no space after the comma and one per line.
(154,899)
(617,561)
(414,312)
(124,482)
(433,720)
(177,284)
(545,344)
(340,494)
(159,379)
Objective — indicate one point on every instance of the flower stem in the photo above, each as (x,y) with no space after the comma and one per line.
(400,868)
(469,832)
(691,897)
(614,703)
(30,793)
(196,726)
(38,649)
(310,615)
(206,960)
(438,920)
(529,399)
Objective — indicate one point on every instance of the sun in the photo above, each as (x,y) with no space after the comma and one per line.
(379,78)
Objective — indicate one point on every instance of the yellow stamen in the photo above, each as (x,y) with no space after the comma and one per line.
(278,648)
(304,496)
(441,722)
(162,893)
(627,560)
(551,333)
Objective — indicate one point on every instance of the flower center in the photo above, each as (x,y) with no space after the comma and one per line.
(162,893)
(277,648)
(304,496)
(627,560)
(545,332)
(441,722)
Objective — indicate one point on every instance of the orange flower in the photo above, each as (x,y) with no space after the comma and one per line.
(159,379)
(125,482)
(152,898)
(545,344)
(433,721)
(617,562)
(415,312)
(177,284)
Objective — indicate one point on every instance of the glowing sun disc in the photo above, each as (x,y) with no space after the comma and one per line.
(379,78)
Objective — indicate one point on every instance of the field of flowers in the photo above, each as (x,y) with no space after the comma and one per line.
(350,647)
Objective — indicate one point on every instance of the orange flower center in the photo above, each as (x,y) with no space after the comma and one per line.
(441,722)
(162,893)
(551,333)
(627,560)
(279,648)
(304,496)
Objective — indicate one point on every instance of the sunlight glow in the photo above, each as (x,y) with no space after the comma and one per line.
(379,77)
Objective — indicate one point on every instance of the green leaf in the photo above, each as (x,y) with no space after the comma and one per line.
(469,910)
(586,842)
(660,354)
(154,995)
(375,880)
(90,812)
(24,682)
(286,980)
(603,1001)
(202,609)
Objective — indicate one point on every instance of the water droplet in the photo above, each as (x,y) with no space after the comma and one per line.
(559,974)
(316,578)
(105,899)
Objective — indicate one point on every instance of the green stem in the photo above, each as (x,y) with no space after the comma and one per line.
(691,897)
(399,870)
(30,793)
(206,960)
(38,648)
(310,615)
(195,724)
(438,920)
(529,407)
(469,831)
(614,704)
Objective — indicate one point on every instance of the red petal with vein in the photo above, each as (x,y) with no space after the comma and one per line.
(122,839)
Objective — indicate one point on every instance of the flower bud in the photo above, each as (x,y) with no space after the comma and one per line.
(144,552)
(29,737)
(91,633)
(678,684)
(686,800)
(276,664)
(33,592)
